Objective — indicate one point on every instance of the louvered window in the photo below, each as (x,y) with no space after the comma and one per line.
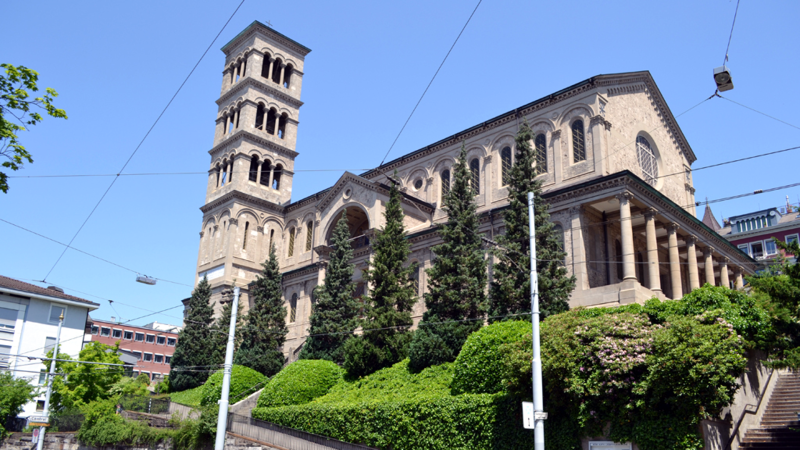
(293,308)
(578,142)
(445,183)
(505,162)
(474,167)
(291,242)
(540,149)
(647,160)
(309,235)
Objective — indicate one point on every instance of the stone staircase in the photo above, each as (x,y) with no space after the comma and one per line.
(780,427)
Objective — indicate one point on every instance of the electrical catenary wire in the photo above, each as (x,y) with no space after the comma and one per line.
(727,49)
(142,141)
(235,172)
(759,112)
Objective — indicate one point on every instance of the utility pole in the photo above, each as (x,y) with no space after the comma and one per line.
(222,419)
(50,377)
(538,403)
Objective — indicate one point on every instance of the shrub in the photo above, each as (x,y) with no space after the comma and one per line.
(244,381)
(479,368)
(189,397)
(102,427)
(300,382)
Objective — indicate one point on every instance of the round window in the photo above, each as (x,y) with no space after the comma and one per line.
(418,184)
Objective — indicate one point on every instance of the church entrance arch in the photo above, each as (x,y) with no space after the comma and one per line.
(357,222)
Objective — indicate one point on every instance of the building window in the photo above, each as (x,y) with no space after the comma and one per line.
(475,169)
(138,355)
(116,334)
(414,276)
(42,377)
(445,183)
(154,375)
(744,248)
(159,359)
(128,335)
(578,142)
(505,165)
(139,337)
(171,342)
(105,331)
(792,238)
(770,247)
(271,235)
(540,151)
(148,357)
(291,243)
(95,329)
(39,405)
(5,350)
(647,160)
(151,339)
(309,235)
(135,373)
(168,359)
(293,308)
(160,340)
(253,175)
(244,239)
(56,312)
(758,250)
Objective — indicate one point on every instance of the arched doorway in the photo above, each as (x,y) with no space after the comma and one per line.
(357,221)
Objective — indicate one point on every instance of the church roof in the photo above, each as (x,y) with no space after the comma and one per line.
(710,220)
(267,29)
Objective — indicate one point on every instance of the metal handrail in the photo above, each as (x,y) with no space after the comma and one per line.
(747,411)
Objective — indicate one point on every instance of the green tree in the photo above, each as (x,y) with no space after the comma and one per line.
(222,327)
(510,289)
(79,384)
(388,313)
(456,290)
(16,107)
(14,394)
(194,351)
(265,329)
(335,314)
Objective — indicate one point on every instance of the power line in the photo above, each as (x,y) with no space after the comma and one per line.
(142,141)
(430,83)
(762,113)
(240,172)
(731,35)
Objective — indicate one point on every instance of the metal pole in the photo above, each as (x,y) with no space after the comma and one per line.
(538,402)
(222,419)
(50,377)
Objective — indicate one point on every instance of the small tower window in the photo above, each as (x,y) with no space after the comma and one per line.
(272,117)
(445,183)
(578,142)
(218,176)
(647,160)
(265,67)
(244,239)
(224,173)
(276,70)
(540,149)
(260,117)
(505,162)
(293,308)
(309,234)
(265,169)
(253,176)
(287,75)
(474,167)
(230,170)
(291,243)
(282,126)
(276,177)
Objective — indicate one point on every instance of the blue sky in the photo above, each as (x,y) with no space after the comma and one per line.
(117,64)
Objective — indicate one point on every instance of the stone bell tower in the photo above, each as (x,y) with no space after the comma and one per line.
(252,159)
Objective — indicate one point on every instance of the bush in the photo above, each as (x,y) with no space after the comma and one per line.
(244,381)
(439,343)
(300,382)
(189,397)
(102,426)
(479,367)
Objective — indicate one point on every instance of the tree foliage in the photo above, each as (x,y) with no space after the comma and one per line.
(335,314)
(80,384)
(510,289)
(456,290)
(265,329)
(16,113)
(14,394)
(221,329)
(388,312)
(195,342)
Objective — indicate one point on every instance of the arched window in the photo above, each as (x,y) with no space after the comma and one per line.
(618,251)
(271,236)
(475,169)
(260,117)
(291,243)
(229,121)
(253,176)
(219,170)
(505,163)
(309,234)
(293,308)
(244,239)
(287,75)
(224,173)
(265,67)
(540,151)
(578,142)
(265,169)
(230,169)
(272,120)
(282,126)
(276,70)
(414,276)
(647,160)
(445,175)
(276,177)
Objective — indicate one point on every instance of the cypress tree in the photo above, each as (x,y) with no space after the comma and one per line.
(264,332)
(388,313)
(194,348)
(456,290)
(221,328)
(510,289)
(335,314)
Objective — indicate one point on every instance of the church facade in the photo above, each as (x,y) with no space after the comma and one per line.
(615,165)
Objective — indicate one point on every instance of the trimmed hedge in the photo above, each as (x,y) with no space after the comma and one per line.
(479,367)
(189,397)
(244,381)
(300,382)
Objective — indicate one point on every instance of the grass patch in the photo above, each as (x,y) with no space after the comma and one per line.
(189,397)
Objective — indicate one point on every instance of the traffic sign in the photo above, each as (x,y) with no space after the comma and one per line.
(529,417)
(39,421)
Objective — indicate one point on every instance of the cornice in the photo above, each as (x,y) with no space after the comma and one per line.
(297,273)
(242,197)
(257,27)
(248,81)
(243,134)
(304,202)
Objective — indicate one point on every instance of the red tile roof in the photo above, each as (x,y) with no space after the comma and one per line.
(17,285)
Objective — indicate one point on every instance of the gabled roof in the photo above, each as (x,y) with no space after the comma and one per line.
(10,283)
(347,177)
(710,220)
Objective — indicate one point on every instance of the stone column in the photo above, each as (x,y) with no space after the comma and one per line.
(271,61)
(709,256)
(258,173)
(277,124)
(737,272)
(227,125)
(578,253)
(264,120)
(723,273)
(674,261)
(626,230)
(282,70)
(236,120)
(654,272)
(691,257)
(271,175)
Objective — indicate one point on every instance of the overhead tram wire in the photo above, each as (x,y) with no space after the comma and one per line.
(239,172)
(142,141)
(759,112)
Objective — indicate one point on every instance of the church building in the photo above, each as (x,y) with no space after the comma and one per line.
(615,165)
